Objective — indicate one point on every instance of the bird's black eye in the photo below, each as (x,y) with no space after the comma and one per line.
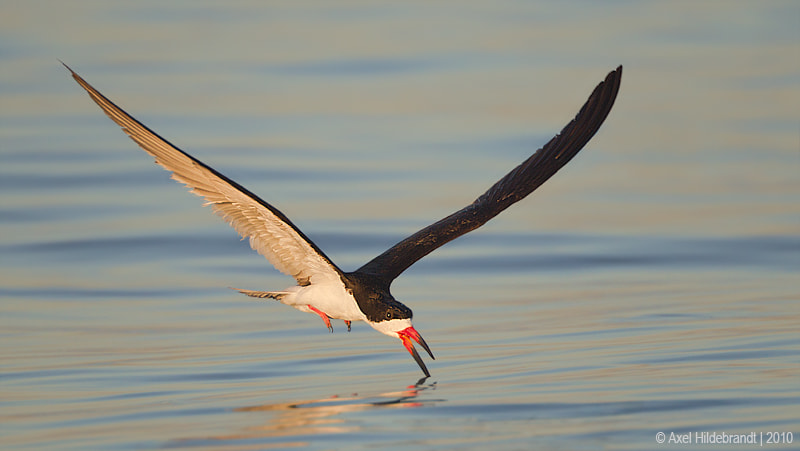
(389,314)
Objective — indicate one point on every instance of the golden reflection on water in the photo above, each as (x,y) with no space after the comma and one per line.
(319,416)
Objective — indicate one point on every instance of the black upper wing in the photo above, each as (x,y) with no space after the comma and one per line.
(517,184)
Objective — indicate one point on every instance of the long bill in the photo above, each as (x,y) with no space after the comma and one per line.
(406,335)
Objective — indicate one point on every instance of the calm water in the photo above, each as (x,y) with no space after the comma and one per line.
(651,286)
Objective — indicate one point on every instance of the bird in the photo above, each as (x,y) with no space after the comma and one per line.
(322,287)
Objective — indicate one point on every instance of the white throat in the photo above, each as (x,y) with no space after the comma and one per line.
(391,327)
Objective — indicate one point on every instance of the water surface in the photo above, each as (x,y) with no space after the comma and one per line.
(651,286)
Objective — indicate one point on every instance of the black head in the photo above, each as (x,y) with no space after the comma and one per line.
(375,300)
(385,314)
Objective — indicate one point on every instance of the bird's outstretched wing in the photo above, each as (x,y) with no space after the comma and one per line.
(271,233)
(517,184)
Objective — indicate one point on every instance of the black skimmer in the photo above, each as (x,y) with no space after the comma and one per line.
(361,295)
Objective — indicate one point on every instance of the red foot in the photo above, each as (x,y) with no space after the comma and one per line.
(324,318)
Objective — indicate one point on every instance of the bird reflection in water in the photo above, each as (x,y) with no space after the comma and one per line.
(314,417)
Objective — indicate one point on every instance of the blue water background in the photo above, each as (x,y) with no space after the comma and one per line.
(651,286)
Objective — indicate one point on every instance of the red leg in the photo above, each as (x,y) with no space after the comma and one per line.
(348,325)
(323,316)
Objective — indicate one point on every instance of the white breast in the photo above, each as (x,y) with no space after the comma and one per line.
(331,298)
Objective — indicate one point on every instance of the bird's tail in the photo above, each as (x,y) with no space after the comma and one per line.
(277,295)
